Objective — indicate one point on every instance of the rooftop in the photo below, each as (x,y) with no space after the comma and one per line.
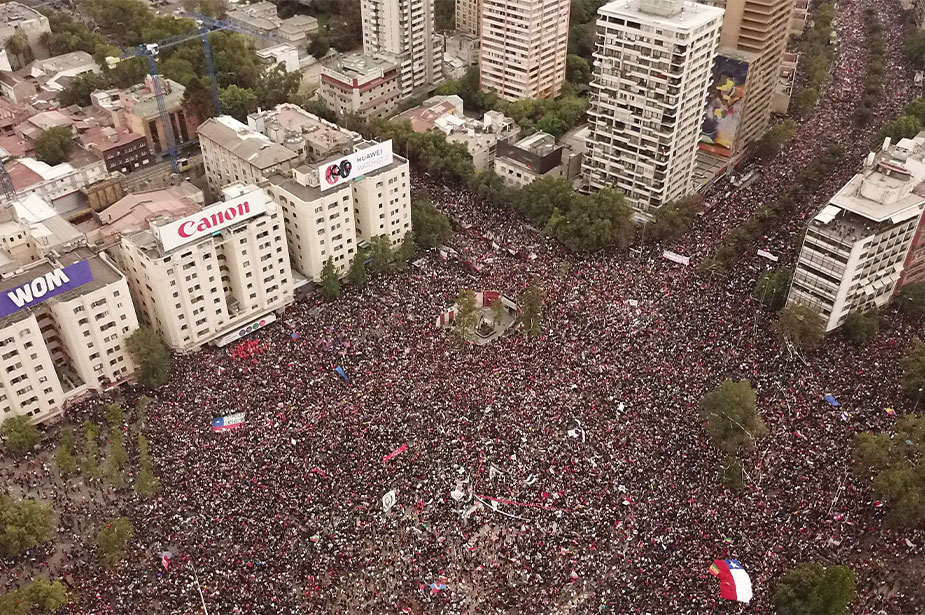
(539,143)
(63,62)
(358,66)
(257,149)
(133,212)
(293,127)
(103,274)
(677,14)
(104,138)
(424,117)
(13,12)
(140,99)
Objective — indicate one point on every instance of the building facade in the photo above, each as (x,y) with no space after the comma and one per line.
(469,17)
(651,71)
(232,152)
(199,277)
(759,28)
(64,320)
(521,163)
(329,221)
(524,46)
(403,30)
(854,250)
(365,85)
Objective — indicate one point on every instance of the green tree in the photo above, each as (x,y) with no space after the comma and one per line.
(20,435)
(113,540)
(467,313)
(531,306)
(64,455)
(497,309)
(911,299)
(46,596)
(801,325)
(445,15)
(276,85)
(380,252)
(405,252)
(128,72)
(114,415)
(151,354)
(914,46)
(914,371)
(116,460)
(731,473)
(811,589)
(431,226)
(802,104)
(861,327)
(581,40)
(238,102)
(89,463)
(731,417)
(330,281)
(356,275)
(774,139)
(23,525)
(53,145)
(146,483)
(78,91)
(18,46)
(673,219)
(210,8)
(141,409)
(577,69)
(319,108)
(319,47)
(594,222)
(903,127)
(771,288)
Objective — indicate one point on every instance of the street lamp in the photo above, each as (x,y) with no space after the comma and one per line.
(917,398)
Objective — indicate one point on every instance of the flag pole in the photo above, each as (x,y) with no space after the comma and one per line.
(199,587)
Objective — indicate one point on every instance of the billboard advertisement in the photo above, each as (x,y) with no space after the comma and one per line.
(725,104)
(355,165)
(211,219)
(250,327)
(44,287)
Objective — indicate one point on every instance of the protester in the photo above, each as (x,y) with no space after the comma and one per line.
(586,439)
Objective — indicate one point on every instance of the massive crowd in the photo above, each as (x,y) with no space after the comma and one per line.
(565,474)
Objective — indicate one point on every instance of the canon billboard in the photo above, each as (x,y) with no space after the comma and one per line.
(211,219)
(355,165)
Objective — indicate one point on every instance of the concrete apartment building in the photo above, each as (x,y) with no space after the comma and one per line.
(16,17)
(854,250)
(200,277)
(403,31)
(65,312)
(324,221)
(232,152)
(524,45)
(262,20)
(368,86)
(326,215)
(759,28)
(469,17)
(521,163)
(652,65)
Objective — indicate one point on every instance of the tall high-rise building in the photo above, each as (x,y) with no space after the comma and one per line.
(469,17)
(758,29)
(854,250)
(652,64)
(524,44)
(403,30)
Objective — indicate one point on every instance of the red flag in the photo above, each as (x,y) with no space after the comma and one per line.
(165,560)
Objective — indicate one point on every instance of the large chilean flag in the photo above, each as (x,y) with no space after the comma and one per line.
(734,583)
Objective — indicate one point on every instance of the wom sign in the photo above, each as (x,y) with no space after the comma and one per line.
(55,282)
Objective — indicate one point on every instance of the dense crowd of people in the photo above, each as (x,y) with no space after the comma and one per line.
(564,474)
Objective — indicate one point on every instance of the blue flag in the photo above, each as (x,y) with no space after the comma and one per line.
(340,372)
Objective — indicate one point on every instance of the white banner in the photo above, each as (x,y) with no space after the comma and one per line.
(768,255)
(676,258)
(247,329)
(355,165)
(211,219)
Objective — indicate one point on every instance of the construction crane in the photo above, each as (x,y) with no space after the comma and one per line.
(150,51)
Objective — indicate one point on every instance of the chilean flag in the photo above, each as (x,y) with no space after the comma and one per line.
(231,421)
(734,583)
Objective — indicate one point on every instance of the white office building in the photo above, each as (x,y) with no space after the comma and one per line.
(201,277)
(652,64)
(854,249)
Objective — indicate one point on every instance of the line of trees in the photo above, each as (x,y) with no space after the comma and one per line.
(873,78)
(817,54)
(37,596)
